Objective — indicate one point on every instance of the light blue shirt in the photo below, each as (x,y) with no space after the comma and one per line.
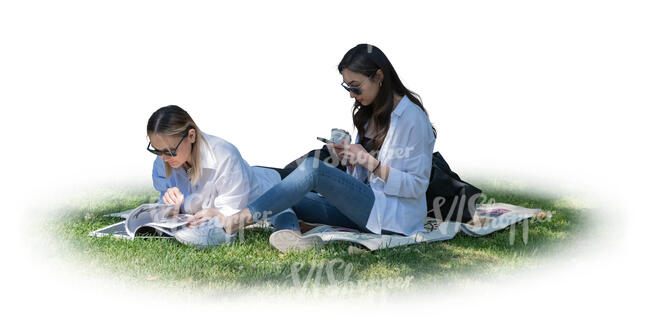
(400,202)
(227,182)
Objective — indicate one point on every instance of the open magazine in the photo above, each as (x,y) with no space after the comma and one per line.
(146,221)
(490,218)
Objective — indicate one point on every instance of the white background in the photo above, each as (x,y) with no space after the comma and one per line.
(549,94)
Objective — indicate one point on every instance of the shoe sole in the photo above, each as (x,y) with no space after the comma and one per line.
(285,240)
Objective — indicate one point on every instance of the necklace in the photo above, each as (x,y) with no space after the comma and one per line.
(188,170)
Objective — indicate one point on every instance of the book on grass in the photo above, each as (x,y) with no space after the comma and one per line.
(146,221)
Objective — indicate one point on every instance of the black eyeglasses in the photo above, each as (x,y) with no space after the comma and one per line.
(169,153)
(356,89)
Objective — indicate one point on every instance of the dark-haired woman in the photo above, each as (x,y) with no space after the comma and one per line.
(388,166)
(205,175)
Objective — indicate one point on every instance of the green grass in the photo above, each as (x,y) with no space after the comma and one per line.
(251,264)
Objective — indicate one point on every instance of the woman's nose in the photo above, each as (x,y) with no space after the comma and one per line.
(352,95)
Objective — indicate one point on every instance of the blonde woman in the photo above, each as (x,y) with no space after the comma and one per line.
(205,175)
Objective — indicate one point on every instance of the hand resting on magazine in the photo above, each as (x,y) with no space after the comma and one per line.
(231,224)
(203,216)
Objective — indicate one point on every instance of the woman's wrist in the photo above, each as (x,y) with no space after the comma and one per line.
(377,168)
(372,163)
(374,170)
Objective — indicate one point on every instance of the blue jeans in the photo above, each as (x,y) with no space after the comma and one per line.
(285,220)
(345,201)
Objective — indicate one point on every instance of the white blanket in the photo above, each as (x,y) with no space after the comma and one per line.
(488,218)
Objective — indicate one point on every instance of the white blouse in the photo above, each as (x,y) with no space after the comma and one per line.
(400,202)
(227,182)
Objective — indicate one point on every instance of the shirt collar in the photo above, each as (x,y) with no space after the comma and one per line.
(208,160)
(401,106)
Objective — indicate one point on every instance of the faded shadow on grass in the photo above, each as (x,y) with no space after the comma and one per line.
(254,263)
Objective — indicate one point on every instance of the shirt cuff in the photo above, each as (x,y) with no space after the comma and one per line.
(394,182)
(226,210)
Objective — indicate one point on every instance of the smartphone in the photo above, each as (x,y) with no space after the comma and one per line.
(327,141)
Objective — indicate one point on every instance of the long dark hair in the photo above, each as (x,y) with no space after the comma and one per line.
(367,60)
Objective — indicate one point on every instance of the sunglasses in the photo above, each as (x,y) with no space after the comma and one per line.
(169,153)
(356,89)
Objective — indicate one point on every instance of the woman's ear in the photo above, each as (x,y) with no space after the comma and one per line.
(379,76)
(192,135)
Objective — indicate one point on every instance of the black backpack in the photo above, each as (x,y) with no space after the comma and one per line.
(448,197)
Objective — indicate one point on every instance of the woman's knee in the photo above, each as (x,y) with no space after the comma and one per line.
(310,169)
(310,164)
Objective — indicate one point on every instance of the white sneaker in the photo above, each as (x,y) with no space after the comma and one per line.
(208,234)
(284,240)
